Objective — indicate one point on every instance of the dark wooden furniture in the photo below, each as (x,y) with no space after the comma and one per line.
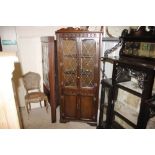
(151,103)
(49,64)
(136,60)
(79,68)
(0,45)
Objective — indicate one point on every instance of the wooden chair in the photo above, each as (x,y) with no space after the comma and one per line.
(33,93)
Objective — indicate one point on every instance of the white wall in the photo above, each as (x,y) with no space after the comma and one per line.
(29,52)
(30,58)
(28,49)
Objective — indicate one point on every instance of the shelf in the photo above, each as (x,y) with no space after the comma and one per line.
(130,114)
(110,39)
(130,87)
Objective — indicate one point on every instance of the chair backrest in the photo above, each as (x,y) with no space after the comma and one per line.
(31,81)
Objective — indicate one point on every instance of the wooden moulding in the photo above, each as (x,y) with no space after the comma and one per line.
(76,30)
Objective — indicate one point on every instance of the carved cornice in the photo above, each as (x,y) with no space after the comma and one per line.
(76,30)
(71,29)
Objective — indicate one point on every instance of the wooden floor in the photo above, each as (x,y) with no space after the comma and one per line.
(40,119)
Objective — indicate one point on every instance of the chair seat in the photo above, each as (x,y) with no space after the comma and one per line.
(35,97)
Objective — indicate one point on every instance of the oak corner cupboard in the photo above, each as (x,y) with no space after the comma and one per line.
(79,73)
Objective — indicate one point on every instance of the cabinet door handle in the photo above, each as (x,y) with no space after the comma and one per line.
(77,106)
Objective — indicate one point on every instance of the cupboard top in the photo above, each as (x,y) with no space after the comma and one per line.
(75,30)
(75,35)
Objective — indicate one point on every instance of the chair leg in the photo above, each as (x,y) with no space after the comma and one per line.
(46,104)
(27,108)
(40,104)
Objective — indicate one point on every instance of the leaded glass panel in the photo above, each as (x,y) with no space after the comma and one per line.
(45,64)
(87,62)
(70,62)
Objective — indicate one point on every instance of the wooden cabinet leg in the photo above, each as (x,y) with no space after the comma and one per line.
(101,107)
